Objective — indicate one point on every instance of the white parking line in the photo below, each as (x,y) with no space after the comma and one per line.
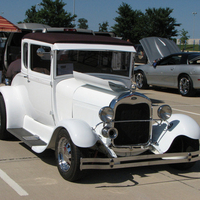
(12,184)
(186,111)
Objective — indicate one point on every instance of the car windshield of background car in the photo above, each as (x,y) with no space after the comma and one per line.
(194,59)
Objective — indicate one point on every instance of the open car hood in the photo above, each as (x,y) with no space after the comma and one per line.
(156,47)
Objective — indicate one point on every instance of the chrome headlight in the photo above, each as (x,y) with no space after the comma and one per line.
(164,112)
(106,114)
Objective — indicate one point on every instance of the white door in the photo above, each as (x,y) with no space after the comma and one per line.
(39,85)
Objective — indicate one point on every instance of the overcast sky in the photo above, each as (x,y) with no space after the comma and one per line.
(99,11)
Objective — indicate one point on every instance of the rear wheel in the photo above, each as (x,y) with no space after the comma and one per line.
(184,144)
(185,86)
(68,157)
(141,81)
(4,134)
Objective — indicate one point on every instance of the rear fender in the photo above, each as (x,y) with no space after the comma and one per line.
(182,125)
(80,132)
(15,108)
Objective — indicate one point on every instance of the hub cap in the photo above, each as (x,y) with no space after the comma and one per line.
(139,80)
(64,154)
(184,86)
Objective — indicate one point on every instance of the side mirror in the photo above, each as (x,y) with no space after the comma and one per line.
(41,52)
(154,64)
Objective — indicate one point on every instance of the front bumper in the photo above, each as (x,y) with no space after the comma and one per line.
(140,160)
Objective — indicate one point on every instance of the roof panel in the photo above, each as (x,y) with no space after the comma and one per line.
(75,38)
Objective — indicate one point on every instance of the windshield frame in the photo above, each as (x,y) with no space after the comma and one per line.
(100,75)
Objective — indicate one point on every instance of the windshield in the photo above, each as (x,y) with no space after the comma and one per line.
(194,59)
(109,62)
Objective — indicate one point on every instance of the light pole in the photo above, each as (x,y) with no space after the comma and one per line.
(194,13)
(74,11)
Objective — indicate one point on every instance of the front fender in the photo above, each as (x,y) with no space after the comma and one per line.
(182,125)
(80,132)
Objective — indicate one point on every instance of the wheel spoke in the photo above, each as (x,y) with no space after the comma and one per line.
(68,157)
(184,85)
(64,154)
(139,80)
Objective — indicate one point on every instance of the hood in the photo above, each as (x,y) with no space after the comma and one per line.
(112,85)
(156,47)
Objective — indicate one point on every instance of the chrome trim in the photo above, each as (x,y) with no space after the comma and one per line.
(136,161)
(128,150)
(138,98)
(133,98)
(108,132)
(147,120)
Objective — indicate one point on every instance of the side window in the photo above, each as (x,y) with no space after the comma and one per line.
(172,60)
(65,62)
(25,55)
(40,59)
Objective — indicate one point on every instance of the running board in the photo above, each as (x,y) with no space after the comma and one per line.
(27,137)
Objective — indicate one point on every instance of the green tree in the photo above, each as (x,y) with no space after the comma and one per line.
(184,36)
(129,23)
(32,15)
(83,23)
(51,13)
(103,27)
(160,23)
(134,25)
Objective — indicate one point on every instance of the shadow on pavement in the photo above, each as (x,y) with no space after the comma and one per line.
(117,176)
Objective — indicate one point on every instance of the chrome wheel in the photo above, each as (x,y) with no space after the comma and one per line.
(68,157)
(141,81)
(184,86)
(64,154)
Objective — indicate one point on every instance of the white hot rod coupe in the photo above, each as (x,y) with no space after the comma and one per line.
(75,95)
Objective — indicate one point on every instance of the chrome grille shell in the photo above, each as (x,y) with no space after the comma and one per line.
(133,114)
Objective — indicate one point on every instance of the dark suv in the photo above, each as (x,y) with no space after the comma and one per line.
(11,47)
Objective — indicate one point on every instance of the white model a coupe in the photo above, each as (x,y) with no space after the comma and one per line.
(74,94)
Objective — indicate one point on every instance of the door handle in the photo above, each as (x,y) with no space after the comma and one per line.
(27,78)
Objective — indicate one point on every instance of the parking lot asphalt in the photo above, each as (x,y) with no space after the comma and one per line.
(26,175)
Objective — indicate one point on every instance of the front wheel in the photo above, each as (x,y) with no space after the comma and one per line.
(141,81)
(185,86)
(68,157)
(184,144)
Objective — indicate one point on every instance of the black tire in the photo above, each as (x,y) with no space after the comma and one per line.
(184,144)
(141,81)
(185,86)
(4,134)
(68,157)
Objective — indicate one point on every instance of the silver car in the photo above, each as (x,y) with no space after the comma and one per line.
(168,67)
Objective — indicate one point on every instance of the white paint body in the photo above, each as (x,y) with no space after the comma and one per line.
(44,104)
